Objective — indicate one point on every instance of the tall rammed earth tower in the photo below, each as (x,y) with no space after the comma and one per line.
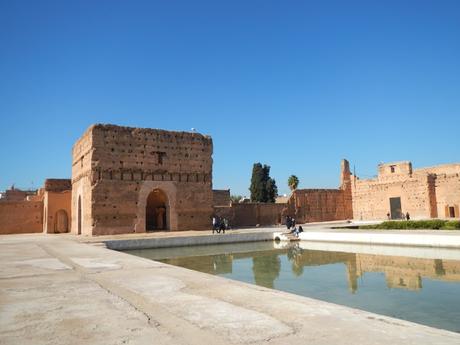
(345,186)
(128,180)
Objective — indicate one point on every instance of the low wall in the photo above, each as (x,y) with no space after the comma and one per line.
(18,217)
(251,214)
(442,239)
(183,241)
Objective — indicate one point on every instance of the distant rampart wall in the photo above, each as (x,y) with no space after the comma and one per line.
(251,214)
(17,217)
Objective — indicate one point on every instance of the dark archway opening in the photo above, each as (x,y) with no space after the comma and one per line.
(157,212)
(79,216)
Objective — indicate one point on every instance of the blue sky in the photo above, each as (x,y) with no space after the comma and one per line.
(297,85)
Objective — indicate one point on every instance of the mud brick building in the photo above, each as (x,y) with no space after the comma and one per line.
(432,192)
(46,210)
(135,179)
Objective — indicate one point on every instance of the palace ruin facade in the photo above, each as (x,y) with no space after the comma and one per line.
(128,180)
(398,189)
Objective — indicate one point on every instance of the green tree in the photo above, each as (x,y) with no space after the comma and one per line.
(257,187)
(263,187)
(293,182)
(272,190)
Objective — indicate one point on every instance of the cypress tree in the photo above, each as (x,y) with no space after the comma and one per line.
(272,190)
(257,183)
(263,187)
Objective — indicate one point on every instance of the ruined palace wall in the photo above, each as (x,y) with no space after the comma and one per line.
(57,185)
(371,198)
(251,214)
(221,197)
(17,217)
(440,169)
(81,184)
(318,205)
(57,199)
(129,163)
(447,194)
(55,202)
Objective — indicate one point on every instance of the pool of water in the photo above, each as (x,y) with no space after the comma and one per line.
(419,285)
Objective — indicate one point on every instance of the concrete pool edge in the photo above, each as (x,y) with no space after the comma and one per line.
(423,238)
(184,241)
(417,238)
(207,307)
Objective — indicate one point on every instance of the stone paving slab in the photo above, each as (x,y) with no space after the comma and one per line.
(57,291)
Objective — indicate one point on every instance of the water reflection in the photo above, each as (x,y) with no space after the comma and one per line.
(266,269)
(400,272)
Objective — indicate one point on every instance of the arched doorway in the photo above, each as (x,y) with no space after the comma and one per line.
(157,211)
(61,222)
(79,216)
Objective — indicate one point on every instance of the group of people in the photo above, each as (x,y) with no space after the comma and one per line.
(291,226)
(219,224)
(290,222)
(403,216)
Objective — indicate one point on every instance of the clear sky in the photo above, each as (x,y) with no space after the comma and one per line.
(297,85)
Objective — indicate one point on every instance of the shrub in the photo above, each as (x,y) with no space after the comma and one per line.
(452,225)
(415,224)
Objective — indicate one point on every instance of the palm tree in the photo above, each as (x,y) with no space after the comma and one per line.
(293,182)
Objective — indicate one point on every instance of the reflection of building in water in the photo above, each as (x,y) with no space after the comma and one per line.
(407,273)
(400,272)
(215,264)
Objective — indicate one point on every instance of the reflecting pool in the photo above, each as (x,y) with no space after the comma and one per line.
(419,285)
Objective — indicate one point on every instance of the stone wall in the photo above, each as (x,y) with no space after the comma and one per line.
(57,199)
(15,194)
(18,217)
(57,211)
(81,216)
(221,197)
(319,205)
(58,185)
(251,214)
(116,168)
(424,193)
(447,194)
(371,198)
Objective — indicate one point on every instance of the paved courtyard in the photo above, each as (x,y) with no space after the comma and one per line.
(55,290)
